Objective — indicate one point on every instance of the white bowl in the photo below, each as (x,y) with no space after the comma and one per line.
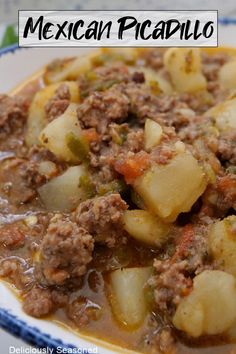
(16,65)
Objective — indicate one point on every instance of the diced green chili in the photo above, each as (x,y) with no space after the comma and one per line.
(87,186)
(116,186)
(91,76)
(155,87)
(78,146)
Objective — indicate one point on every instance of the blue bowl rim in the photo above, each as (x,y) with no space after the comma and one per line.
(12,323)
(30,334)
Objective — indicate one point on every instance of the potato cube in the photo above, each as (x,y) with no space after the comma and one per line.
(222,243)
(127,295)
(224,114)
(184,67)
(152,134)
(145,227)
(54,135)
(37,119)
(168,190)
(63,193)
(227,75)
(211,306)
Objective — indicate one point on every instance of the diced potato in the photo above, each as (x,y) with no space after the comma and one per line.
(184,67)
(153,78)
(145,227)
(168,190)
(152,134)
(63,193)
(55,135)
(127,295)
(211,306)
(227,75)
(224,114)
(71,69)
(37,115)
(222,243)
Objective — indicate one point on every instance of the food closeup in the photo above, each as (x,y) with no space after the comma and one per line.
(118,197)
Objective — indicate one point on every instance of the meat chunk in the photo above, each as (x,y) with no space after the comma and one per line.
(173,276)
(102,218)
(103,78)
(154,57)
(138,77)
(12,235)
(211,65)
(227,147)
(13,114)
(18,178)
(219,198)
(58,103)
(66,251)
(38,302)
(16,269)
(101,108)
(170,283)
(82,311)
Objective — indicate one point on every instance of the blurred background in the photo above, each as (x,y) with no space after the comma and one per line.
(8,36)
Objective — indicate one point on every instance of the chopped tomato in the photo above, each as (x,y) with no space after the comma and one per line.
(226,183)
(185,241)
(91,135)
(133,167)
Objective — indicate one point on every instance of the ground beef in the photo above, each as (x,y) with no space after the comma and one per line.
(66,250)
(134,141)
(138,77)
(31,175)
(15,181)
(12,235)
(161,108)
(38,302)
(13,113)
(58,103)
(102,218)
(102,108)
(17,271)
(211,65)
(81,311)
(162,154)
(103,77)
(137,102)
(173,276)
(170,284)
(153,58)
(219,198)
(227,147)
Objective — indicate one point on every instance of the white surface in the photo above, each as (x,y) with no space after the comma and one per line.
(13,69)
(7,340)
